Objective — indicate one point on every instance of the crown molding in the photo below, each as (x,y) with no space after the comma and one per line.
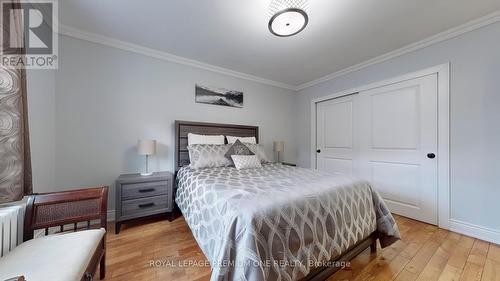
(115,43)
(119,44)
(440,37)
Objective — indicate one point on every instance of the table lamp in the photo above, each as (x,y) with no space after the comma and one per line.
(279,146)
(147,148)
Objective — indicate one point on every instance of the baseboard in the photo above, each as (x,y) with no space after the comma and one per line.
(111,215)
(465,228)
(476,231)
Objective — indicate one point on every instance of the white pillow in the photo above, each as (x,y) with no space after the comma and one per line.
(231,140)
(246,161)
(204,139)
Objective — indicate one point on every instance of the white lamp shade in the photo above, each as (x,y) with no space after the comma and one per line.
(279,146)
(146,147)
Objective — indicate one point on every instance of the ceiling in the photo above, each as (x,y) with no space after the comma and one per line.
(233,34)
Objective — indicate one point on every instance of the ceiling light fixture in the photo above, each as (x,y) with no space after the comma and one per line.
(287,17)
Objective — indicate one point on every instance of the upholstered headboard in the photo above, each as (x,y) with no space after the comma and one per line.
(182,128)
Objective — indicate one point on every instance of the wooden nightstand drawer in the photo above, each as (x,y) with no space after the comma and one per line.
(146,189)
(139,207)
(143,196)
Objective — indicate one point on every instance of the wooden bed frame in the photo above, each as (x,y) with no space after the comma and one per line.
(182,128)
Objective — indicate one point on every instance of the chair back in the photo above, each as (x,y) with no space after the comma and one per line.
(46,210)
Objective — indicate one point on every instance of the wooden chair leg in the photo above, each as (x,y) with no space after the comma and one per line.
(102,267)
(373,247)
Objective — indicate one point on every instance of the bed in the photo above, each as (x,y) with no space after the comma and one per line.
(276,222)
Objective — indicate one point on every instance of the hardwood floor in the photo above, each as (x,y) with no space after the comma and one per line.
(425,252)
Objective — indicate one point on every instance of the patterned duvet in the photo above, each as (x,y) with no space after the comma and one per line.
(277,222)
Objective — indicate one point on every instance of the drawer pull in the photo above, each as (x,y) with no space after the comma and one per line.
(147,205)
(146,190)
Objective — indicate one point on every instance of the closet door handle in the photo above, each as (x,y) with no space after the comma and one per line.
(318,151)
(431,155)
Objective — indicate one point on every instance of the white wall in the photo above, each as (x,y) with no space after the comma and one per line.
(41,117)
(106,99)
(475,113)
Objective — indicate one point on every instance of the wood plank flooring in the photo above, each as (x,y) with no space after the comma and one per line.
(425,252)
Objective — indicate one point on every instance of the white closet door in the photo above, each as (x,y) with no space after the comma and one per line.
(398,145)
(336,135)
(387,136)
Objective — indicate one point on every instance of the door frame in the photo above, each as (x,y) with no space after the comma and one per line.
(443,76)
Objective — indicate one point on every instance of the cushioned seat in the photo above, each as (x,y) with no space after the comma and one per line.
(61,257)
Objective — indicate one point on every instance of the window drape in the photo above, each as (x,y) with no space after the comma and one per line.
(15,162)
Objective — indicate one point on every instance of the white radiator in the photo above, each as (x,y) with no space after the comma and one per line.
(11,226)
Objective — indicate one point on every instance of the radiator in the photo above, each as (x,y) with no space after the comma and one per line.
(11,226)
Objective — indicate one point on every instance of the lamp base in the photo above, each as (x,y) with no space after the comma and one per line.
(146,174)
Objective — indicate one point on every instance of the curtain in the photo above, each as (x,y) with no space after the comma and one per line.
(15,162)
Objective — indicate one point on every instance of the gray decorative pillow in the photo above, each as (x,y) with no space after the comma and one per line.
(208,156)
(258,149)
(238,148)
(246,161)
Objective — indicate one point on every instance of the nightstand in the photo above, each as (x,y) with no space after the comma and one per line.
(142,196)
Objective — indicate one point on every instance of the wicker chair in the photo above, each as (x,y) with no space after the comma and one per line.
(54,212)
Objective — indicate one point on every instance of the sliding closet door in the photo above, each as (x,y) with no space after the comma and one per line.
(398,145)
(388,136)
(337,135)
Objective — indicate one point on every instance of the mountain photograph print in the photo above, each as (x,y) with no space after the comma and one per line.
(218,96)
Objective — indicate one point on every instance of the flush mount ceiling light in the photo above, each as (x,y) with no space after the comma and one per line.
(287,17)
